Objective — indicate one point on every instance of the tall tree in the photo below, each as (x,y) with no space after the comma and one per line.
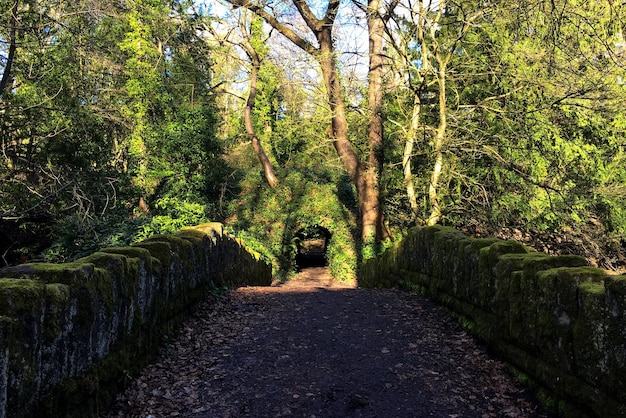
(375,16)
(426,36)
(362,174)
(253,45)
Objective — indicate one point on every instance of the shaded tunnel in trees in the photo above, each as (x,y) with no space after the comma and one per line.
(311,243)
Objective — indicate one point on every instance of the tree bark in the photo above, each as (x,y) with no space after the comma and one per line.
(442,58)
(6,75)
(339,123)
(363,176)
(440,136)
(266,164)
(406,157)
(372,214)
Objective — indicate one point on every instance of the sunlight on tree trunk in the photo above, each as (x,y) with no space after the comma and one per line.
(255,59)
(372,218)
(408,153)
(440,137)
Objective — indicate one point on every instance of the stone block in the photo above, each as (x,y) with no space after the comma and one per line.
(615,293)
(557,307)
(589,334)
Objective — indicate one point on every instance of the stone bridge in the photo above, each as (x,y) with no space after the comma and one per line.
(69,333)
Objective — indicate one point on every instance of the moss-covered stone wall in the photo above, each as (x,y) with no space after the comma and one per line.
(559,322)
(72,334)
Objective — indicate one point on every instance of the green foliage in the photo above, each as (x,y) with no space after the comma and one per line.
(536,126)
(78,236)
(113,103)
(177,214)
(108,104)
(304,199)
(562,133)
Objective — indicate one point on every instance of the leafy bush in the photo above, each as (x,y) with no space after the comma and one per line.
(304,198)
(79,235)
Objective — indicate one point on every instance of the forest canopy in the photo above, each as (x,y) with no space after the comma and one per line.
(124,119)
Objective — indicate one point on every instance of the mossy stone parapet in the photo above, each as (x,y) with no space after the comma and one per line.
(558,321)
(70,333)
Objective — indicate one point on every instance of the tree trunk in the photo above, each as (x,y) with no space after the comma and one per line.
(339,124)
(440,135)
(406,157)
(363,176)
(371,211)
(270,176)
(6,75)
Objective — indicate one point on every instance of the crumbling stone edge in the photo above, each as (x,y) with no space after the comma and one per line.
(72,334)
(558,321)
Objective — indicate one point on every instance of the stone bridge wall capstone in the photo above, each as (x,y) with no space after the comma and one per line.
(71,334)
(561,323)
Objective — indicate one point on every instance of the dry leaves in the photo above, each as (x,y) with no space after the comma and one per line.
(314,349)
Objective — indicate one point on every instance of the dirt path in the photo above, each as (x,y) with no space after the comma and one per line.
(313,348)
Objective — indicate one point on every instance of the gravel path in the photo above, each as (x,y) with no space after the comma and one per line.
(313,348)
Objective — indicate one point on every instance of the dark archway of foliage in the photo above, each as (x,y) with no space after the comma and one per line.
(312,244)
(303,199)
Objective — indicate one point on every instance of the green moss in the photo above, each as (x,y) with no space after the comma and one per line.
(195,238)
(510,263)
(590,335)
(56,273)
(191,233)
(557,303)
(103,259)
(532,265)
(58,298)
(172,239)
(161,251)
(593,288)
(58,293)
(441,231)
(118,268)
(163,247)
(20,296)
(209,228)
(152,263)
(479,243)
(179,245)
(89,285)
(490,255)
(616,284)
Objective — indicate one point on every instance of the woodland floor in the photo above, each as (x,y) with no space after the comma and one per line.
(315,348)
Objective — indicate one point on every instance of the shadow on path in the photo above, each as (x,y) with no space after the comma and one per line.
(316,348)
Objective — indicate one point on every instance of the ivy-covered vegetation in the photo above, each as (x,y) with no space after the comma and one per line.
(302,200)
(121,120)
